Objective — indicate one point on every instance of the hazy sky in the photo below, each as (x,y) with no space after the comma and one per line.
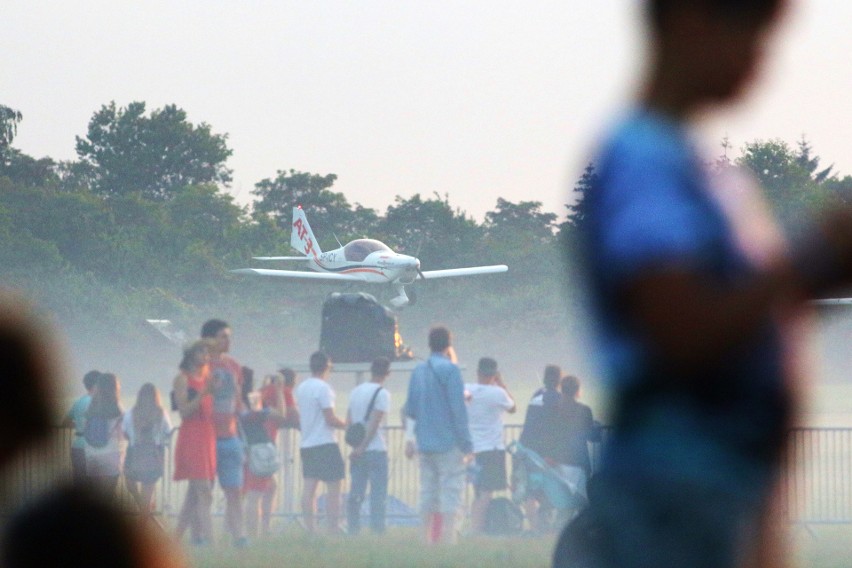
(479,99)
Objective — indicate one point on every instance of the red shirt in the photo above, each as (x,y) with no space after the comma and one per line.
(227,377)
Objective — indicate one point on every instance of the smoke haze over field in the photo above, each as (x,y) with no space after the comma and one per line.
(522,348)
(268,338)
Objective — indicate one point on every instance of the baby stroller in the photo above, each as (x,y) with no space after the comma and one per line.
(533,477)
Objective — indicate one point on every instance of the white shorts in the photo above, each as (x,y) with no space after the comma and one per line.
(442,481)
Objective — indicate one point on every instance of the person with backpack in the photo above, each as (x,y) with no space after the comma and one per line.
(147,428)
(105,445)
(369,404)
(260,428)
(76,418)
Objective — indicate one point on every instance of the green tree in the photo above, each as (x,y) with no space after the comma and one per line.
(578,210)
(791,179)
(810,164)
(9,119)
(568,233)
(442,237)
(155,156)
(329,212)
(521,235)
(14,164)
(524,219)
(78,225)
(203,213)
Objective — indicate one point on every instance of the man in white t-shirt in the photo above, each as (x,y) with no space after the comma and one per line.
(487,401)
(369,403)
(321,459)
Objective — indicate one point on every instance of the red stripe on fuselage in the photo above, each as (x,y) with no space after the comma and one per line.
(350,270)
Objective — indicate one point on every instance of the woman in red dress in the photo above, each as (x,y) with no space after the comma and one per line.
(195,450)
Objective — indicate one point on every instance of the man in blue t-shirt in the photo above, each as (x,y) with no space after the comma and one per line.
(690,325)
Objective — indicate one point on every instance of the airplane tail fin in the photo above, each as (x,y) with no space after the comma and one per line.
(301,237)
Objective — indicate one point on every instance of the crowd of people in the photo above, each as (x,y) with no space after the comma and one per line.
(457,429)
(109,441)
(228,432)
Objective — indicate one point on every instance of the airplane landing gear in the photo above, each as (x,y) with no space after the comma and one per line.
(401,299)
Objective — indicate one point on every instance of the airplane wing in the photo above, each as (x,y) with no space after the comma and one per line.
(470,271)
(832,302)
(304,275)
(281,257)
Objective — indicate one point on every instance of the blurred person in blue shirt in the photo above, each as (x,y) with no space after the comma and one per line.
(693,325)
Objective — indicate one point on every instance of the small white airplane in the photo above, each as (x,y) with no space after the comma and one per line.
(361,260)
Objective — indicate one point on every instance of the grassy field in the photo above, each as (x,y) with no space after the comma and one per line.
(399,547)
(823,546)
(815,547)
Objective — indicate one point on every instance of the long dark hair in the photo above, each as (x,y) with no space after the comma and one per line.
(105,399)
(147,412)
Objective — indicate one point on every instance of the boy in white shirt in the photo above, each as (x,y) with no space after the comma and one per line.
(321,459)
(487,400)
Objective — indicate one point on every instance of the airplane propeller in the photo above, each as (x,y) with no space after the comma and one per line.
(417,256)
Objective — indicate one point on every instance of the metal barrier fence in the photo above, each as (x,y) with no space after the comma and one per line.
(817,476)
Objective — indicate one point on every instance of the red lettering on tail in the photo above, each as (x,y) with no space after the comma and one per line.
(300,229)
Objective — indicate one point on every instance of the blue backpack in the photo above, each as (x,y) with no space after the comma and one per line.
(96,432)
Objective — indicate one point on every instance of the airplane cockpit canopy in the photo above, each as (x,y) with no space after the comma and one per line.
(357,250)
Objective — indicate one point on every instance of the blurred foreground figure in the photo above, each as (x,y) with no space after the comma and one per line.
(78,526)
(73,526)
(28,368)
(692,325)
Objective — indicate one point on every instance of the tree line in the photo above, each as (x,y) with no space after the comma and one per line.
(141,225)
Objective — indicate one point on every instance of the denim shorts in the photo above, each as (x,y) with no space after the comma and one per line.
(230,457)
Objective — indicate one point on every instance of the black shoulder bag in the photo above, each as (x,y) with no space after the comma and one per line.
(356,431)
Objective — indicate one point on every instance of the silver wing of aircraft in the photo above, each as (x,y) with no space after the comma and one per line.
(832,302)
(451,272)
(328,276)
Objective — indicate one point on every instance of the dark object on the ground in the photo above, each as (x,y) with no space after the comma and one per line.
(503,517)
(357,329)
